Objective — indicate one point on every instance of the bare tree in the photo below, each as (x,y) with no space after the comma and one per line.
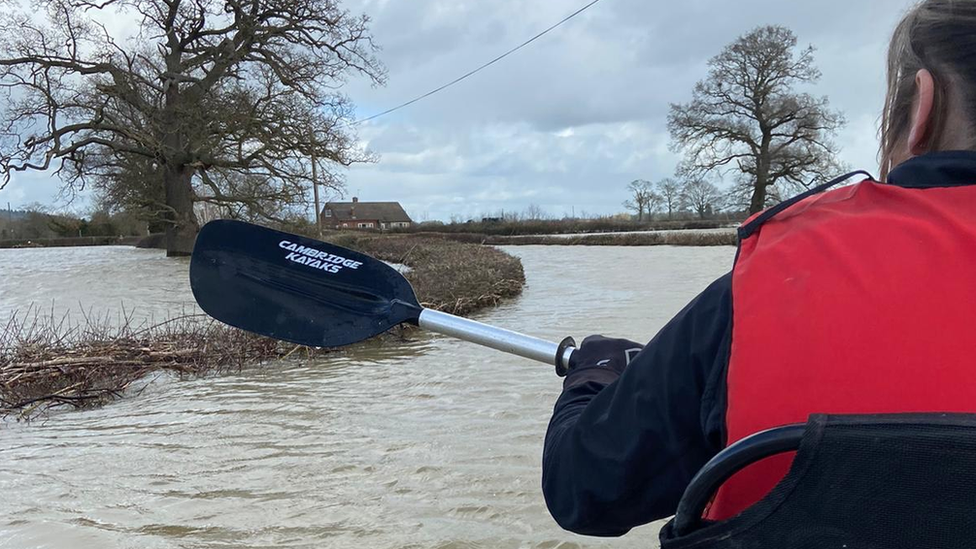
(700,196)
(642,197)
(747,114)
(669,192)
(211,100)
(510,216)
(534,213)
(654,202)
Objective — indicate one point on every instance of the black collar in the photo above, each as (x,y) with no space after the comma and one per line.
(937,169)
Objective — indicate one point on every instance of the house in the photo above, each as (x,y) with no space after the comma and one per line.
(365,215)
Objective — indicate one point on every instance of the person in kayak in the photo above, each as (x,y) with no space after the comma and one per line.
(856,300)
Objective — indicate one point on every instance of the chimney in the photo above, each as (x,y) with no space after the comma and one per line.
(355,199)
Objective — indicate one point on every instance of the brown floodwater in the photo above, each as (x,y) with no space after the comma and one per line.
(428,443)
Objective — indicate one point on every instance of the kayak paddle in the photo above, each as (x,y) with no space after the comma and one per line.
(313,293)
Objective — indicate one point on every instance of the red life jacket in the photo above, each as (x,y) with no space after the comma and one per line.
(858,300)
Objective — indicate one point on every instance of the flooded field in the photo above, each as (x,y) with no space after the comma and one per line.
(429,443)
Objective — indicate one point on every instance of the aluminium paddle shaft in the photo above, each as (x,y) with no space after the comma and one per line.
(507,341)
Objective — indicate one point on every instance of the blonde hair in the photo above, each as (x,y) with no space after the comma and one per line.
(938,35)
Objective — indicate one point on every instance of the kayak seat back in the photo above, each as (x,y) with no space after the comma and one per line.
(888,481)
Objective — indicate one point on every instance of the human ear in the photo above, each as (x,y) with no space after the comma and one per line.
(918,138)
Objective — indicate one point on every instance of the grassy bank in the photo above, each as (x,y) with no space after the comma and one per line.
(46,363)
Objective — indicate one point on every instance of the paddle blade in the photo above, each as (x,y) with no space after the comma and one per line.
(294,288)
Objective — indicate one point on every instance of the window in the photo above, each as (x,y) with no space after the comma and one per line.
(365,225)
(328,213)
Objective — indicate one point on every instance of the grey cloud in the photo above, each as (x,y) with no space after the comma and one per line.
(622,60)
(569,120)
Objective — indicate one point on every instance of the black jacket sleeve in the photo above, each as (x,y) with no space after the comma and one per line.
(620,453)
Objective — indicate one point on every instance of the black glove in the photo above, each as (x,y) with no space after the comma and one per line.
(600,359)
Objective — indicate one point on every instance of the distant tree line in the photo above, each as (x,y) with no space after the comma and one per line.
(33,222)
(563,225)
(671,198)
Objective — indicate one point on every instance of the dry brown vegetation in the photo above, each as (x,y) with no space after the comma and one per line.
(47,362)
(536,227)
(664,238)
(449,276)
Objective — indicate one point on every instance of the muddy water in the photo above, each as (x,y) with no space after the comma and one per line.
(431,443)
(108,283)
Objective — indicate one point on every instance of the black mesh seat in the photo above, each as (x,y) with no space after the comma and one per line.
(857,482)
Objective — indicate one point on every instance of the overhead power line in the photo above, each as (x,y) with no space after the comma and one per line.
(479,69)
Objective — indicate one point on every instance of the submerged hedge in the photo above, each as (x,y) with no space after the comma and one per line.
(45,363)
(454,277)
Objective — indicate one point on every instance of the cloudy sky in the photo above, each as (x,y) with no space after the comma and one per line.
(568,121)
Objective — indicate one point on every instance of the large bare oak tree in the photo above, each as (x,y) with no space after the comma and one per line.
(216,101)
(748,115)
